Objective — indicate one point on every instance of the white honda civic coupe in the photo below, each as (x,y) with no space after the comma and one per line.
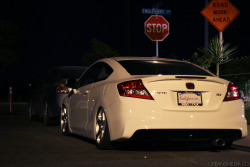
(140,98)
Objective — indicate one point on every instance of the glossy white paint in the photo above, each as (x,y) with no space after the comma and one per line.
(138,114)
(126,115)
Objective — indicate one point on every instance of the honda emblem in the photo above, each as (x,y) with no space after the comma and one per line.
(190,85)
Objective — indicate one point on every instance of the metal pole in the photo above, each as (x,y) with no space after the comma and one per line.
(128,27)
(246,92)
(221,56)
(157,49)
(221,40)
(206,29)
(11,99)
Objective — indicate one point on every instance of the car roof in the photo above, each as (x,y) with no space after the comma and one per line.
(70,67)
(142,58)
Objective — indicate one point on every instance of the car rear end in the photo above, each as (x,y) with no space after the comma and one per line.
(180,106)
(60,89)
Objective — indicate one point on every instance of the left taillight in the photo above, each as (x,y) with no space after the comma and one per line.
(134,88)
(233,92)
(62,89)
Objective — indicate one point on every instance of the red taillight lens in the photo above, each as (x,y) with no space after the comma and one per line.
(62,89)
(134,88)
(233,92)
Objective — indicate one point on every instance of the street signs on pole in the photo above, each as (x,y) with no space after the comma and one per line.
(220,13)
(156,28)
(157,11)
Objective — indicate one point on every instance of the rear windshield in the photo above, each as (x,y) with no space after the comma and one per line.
(150,67)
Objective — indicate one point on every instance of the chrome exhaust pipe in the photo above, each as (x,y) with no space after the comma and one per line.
(218,142)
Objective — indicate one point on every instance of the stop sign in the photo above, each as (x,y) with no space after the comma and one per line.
(156,28)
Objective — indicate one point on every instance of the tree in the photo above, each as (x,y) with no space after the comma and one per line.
(216,53)
(99,50)
(202,61)
(237,70)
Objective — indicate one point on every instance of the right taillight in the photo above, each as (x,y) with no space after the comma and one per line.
(134,88)
(233,92)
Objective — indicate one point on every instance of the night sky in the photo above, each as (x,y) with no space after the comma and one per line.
(58,32)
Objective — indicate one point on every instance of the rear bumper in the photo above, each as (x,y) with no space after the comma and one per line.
(132,118)
(203,135)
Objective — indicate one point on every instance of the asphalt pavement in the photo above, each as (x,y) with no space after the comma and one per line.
(20,110)
(243,143)
(24,143)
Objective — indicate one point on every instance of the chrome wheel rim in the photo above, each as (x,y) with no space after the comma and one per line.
(64,119)
(100,126)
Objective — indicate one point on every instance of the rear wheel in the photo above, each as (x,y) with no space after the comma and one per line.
(64,122)
(102,131)
(31,116)
(46,118)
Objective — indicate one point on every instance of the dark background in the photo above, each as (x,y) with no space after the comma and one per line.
(58,32)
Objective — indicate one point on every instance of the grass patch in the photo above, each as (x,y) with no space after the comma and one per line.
(247,112)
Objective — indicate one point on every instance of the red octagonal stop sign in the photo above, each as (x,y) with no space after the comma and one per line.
(156,28)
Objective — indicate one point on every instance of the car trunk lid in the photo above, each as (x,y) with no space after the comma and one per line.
(186,92)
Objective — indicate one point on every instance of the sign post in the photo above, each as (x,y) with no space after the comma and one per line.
(220,13)
(11,99)
(157,29)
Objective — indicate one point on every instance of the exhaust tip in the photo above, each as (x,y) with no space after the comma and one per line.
(218,142)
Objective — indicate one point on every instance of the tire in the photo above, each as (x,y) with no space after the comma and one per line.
(46,119)
(64,126)
(103,141)
(31,116)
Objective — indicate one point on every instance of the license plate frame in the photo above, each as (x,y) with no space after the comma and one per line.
(189,98)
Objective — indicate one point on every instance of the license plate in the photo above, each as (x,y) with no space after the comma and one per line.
(189,98)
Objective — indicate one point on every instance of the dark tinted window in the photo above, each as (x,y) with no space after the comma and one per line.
(149,67)
(98,72)
(50,77)
(71,73)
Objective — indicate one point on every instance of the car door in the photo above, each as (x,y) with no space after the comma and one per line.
(78,114)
